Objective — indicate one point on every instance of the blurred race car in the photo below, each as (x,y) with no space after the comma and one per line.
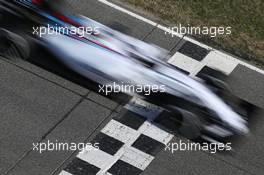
(106,56)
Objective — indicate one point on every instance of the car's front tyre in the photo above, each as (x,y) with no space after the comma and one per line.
(191,126)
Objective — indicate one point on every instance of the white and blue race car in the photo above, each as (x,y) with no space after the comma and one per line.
(107,56)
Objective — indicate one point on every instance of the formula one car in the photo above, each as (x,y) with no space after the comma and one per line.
(107,56)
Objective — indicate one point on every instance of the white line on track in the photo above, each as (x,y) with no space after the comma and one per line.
(128,12)
(165,29)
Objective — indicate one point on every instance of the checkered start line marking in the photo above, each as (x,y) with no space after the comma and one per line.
(127,144)
(192,58)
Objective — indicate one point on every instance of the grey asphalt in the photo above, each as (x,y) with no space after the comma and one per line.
(40,105)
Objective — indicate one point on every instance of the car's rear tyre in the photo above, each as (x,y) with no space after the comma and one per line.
(191,126)
(215,80)
(216,84)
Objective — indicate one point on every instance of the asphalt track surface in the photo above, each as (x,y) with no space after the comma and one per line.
(41,100)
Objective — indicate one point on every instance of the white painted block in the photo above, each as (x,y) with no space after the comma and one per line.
(136,158)
(184,62)
(120,132)
(220,62)
(158,134)
(97,158)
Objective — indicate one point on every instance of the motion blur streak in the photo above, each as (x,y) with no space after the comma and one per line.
(206,109)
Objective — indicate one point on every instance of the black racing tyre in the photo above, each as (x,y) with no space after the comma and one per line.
(215,79)
(215,83)
(191,126)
